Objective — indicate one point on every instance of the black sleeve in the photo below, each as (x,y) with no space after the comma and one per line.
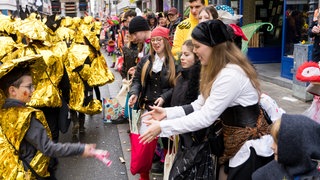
(136,84)
(311,34)
(187,109)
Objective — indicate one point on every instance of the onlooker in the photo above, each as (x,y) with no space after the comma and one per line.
(229,88)
(184,92)
(152,20)
(154,78)
(162,19)
(184,29)
(24,130)
(296,149)
(122,35)
(139,33)
(129,15)
(207,13)
(314,32)
(174,19)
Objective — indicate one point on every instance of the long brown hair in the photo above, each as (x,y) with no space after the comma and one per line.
(222,54)
(169,60)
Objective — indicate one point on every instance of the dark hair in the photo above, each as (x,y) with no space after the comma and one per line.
(130,13)
(202,1)
(13,78)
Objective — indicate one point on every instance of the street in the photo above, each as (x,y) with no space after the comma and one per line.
(115,139)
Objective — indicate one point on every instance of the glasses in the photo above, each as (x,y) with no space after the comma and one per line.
(153,40)
(30,87)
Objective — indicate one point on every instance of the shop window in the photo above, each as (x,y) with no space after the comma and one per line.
(296,25)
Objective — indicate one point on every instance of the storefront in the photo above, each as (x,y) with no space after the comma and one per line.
(290,19)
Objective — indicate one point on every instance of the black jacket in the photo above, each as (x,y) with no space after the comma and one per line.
(186,89)
(141,91)
(316,44)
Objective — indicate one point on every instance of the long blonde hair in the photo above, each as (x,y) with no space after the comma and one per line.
(169,60)
(222,54)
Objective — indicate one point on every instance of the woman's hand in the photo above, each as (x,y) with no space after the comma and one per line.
(159,102)
(152,132)
(315,29)
(88,150)
(157,113)
(132,70)
(132,100)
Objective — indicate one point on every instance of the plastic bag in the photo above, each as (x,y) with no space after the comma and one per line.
(313,111)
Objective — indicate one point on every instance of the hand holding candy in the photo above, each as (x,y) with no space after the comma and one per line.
(102,155)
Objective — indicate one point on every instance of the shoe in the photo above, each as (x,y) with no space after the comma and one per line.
(113,64)
(157,167)
(120,120)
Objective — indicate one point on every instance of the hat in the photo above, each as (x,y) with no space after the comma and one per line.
(211,33)
(173,11)
(12,70)
(309,72)
(160,31)
(137,24)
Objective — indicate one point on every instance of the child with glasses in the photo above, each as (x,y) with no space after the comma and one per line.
(25,135)
(154,77)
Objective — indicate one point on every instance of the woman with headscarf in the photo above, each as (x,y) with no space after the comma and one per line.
(229,89)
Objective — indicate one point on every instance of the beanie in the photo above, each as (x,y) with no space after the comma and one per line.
(160,31)
(137,24)
(211,33)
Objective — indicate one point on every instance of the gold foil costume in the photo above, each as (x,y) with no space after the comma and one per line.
(16,125)
(63,49)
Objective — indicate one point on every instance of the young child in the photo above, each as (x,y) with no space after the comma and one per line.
(296,150)
(110,47)
(25,135)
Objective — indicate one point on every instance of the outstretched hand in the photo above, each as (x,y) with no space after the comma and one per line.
(152,132)
(157,113)
(88,150)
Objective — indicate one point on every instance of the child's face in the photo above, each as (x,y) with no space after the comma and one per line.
(24,91)
(274,147)
(157,44)
(204,16)
(187,57)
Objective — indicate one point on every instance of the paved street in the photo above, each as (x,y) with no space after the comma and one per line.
(115,139)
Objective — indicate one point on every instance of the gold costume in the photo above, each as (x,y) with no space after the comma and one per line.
(17,122)
(64,49)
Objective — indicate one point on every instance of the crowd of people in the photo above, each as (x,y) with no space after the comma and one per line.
(187,74)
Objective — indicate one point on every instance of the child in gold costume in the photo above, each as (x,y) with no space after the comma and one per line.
(25,137)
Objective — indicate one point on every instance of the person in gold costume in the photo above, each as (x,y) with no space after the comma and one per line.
(24,133)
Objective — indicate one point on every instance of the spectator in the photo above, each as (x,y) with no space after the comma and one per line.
(154,78)
(229,88)
(129,15)
(314,32)
(174,19)
(184,29)
(152,20)
(296,149)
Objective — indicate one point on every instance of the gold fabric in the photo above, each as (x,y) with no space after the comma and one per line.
(100,75)
(47,93)
(6,46)
(15,122)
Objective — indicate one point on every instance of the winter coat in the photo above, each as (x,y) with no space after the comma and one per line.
(143,89)
(316,44)
(298,150)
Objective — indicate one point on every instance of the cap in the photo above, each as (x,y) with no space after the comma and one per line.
(173,11)
(137,24)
